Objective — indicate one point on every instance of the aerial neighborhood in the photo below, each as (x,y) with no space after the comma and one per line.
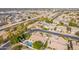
(39,29)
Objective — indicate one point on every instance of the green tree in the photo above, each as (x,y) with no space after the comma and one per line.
(45,28)
(48,20)
(73,23)
(13,38)
(68,29)
(37,45)
(20,28)
(1,40)
(26,35)
(61,24)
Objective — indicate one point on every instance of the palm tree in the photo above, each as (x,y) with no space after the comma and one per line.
(45,45)
(69,45)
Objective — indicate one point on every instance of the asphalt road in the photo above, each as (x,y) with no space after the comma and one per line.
(5,46)
(46,31)
(54,33)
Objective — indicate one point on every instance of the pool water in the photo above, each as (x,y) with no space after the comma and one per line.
(28,43)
